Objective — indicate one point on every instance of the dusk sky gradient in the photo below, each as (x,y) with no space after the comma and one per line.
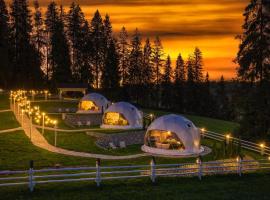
(181,24)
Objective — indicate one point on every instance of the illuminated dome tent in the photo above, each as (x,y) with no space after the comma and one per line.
(172,135)
(93,103)
(122,115)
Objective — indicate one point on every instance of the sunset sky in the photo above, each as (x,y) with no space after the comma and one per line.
(182,25)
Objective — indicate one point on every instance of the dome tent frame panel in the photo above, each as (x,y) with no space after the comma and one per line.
(94,103)
(127,112)
(184,132)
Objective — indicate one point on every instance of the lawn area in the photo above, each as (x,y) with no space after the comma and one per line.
(82,142)
(215,125)
(249,186)
(16,151)
(8,120)
(4,102)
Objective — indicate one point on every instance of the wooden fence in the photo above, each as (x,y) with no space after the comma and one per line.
(99,173)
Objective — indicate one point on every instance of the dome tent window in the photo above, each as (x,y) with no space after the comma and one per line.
(113,118)
(122,115)
(88,105)
(93,103)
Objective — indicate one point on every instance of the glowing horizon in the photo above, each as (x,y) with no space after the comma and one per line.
(181,24)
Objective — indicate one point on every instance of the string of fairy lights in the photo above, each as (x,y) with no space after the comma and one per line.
(22,105)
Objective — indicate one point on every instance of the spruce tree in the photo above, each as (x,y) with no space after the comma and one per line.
(198,65)
(180,71)
(5,71)
(123,55)
(38,30)
(110,77)
(179,84)
(98,46)
(158,54)
(254,50)
(166,84)
(191,101)
(78,33)
(135,65)
(147,75)
(253,59)
(59,56)
(147,67)
(26,61)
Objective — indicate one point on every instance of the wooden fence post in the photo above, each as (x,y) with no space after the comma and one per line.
(98,174)
(153,169)
(31,176)
(239,165)
(199,162)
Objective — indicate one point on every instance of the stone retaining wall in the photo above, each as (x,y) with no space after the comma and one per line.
(130,138)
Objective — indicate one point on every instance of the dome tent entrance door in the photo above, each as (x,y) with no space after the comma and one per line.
(164,140)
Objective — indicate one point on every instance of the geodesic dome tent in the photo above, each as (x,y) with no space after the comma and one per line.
(93,103)
(122,115)
(172,135)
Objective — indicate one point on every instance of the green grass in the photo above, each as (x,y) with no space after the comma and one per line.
(4,102)
(8,121)
(216,125)
(85,143)
(249,186)
(16,151)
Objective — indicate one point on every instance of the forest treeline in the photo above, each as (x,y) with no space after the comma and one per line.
(43,50)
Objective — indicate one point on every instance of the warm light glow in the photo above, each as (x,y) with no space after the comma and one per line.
(228,136)
(262,145)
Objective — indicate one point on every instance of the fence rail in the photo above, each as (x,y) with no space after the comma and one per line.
(98,173)
(258,148)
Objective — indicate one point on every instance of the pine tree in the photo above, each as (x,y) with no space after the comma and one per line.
(191,101)
(38,30)
(254,49)
(198,65)
(98,44)
(108,31)
(179,83)
(180,71)
(147,75)
(147,67)
(4,46)
(158,54)
(166,84)
(110,77)
(253,59)
(59,56)
(26,61)
(78,33)
(123,55)
(135,65)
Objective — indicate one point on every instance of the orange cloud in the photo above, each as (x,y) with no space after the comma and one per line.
(182,25)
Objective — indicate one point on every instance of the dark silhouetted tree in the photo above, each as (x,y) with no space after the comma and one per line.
(123,55)
(5,71)
(98,45)
(26,61)
(59,56)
